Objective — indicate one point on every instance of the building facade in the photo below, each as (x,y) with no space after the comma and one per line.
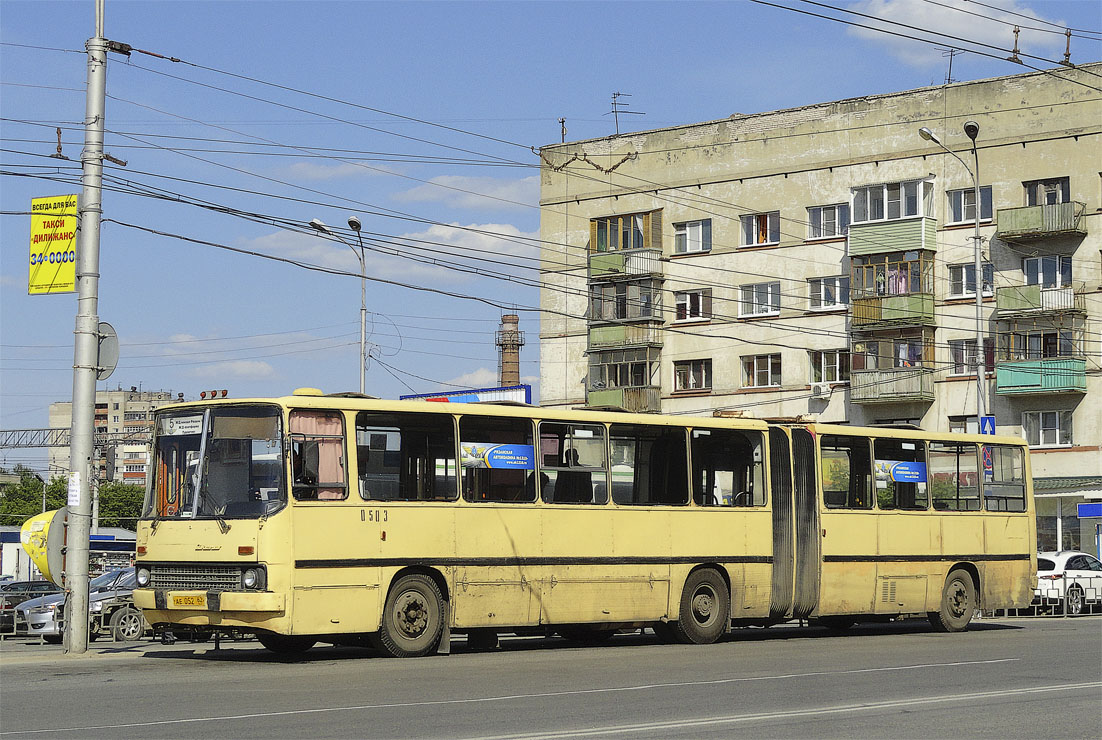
(818,262)
(127,415)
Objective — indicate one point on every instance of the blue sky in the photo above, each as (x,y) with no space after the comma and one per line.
(192,317)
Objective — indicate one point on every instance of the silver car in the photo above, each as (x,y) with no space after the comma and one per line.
(109,609)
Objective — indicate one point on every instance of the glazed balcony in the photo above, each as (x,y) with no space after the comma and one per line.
(1040,222)
(914,309)
(900,235)
(1046,375)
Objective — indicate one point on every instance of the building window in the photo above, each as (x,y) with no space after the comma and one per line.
(760,299)
(890,201)
(963,425)
(1047,428)
(629,231)
(1052,271)
(692,375)
(614,301)
(962,205)
(692,236)
(962,280)
(962,352)
(693,304)
(1040,344)
(828,293)
(827,221)
(761,228)
(761,371)
(115,419)
(1047,192)
(885,354)
(829,366)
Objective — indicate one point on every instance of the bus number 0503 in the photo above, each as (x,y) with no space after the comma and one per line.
(373,515)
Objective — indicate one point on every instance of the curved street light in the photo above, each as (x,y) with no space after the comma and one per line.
(354,224)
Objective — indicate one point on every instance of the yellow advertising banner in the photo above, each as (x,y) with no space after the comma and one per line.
(53,245)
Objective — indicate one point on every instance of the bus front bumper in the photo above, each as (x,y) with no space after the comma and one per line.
(209,601)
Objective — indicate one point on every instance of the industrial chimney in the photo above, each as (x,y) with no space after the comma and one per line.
(509,341)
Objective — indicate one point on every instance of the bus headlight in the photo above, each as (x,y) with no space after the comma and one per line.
(143,577)
(250,578)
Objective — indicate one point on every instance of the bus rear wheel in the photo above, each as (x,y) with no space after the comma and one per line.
(413,618)
(286,644)
(705,605)
(958,602)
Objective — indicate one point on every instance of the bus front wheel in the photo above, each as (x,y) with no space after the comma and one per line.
(705,604)
(958,602)
(413,619)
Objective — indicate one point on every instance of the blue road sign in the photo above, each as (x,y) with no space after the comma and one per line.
(1089,510)
(987,425)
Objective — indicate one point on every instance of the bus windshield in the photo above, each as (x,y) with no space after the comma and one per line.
(221,462)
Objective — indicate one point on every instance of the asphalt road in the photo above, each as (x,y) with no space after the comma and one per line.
(1039,678)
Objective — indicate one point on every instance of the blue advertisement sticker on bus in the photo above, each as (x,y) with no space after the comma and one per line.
(482,455)
(901,472)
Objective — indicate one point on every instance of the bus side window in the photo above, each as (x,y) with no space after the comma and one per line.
(317,455)
(405,457)
(727,468)
(498,458)
(1004,482)
(900,474)
(649,465)
(573,463)
(954,476)
(846,472)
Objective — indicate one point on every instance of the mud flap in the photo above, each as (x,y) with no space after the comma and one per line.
(444,647)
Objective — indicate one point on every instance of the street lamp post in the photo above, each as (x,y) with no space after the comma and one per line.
(972,130)
(354,224)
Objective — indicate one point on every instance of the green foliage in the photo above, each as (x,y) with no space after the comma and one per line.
(22,500)
(120,504)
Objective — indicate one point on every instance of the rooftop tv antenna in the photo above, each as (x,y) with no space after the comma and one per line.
(618,108)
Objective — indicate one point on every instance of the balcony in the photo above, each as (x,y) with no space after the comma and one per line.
(901,235)
(1041,222)
(615,336)
(896,385)
(628,263)
(1015,300)
(912,309)
(638,400)
(1046,375)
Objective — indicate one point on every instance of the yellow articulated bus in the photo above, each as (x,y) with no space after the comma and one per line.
(341,519)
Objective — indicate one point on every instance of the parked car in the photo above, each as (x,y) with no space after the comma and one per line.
(110,606)
(1069,578)
(14,593)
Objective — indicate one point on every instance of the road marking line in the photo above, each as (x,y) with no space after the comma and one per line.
(511,697)
(737,718)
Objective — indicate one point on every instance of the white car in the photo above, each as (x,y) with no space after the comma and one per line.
(1070,578)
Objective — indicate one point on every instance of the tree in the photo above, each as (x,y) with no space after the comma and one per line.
(22,500)
(120,504)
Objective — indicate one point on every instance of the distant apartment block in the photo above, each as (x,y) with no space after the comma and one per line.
(818,262)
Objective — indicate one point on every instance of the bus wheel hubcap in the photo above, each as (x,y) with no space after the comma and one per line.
(412,614)
(703,604)
(957,599)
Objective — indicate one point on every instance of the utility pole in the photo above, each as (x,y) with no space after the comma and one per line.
(86,346)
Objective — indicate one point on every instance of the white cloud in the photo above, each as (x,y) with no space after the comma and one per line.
(251,369)
(483,377)
(10,281)
(441,242)
(977,24)
(459,191)
(316,171)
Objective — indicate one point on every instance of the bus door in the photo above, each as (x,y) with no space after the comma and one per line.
(848,524)
(904,531)
(498,530)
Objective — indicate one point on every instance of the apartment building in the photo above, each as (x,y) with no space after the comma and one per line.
(126,415)
(818,262)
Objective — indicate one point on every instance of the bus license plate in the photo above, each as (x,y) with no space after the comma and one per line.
(190,602)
